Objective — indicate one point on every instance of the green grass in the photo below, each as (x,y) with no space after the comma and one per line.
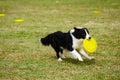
(22,57)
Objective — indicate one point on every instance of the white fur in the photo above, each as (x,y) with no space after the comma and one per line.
(87,35)
(79,27)
(85,54)
(77,55)
(59,59)
(77,43)
(72,30)
(62,56)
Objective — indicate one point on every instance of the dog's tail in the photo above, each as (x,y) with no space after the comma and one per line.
(46,41)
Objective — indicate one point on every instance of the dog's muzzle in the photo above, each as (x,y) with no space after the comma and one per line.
(88,37)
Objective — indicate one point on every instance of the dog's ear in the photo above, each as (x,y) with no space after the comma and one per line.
(75,28)
(86,30)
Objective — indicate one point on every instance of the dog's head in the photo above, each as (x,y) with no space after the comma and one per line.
(80,33)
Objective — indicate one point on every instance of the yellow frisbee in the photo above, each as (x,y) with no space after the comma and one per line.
(97,12)
(90,45)
(2,14)
(19,20)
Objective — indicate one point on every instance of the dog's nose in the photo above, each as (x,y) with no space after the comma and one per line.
(89,37)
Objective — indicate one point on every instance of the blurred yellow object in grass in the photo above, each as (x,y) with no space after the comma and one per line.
(2,14)
(97,12)
(19,20)
(90,45)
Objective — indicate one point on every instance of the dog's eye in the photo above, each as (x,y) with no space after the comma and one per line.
(83,34)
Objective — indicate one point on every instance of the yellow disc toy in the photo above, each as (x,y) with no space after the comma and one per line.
(19,20)
(90,45)
(2,14)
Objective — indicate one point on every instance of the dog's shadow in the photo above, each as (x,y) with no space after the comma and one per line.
(75,61)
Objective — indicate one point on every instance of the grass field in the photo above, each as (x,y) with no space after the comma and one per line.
(22,57)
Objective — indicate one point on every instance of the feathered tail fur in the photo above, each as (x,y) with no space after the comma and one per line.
(46,41)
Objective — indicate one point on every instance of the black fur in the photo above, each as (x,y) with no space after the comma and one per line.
(80,33)
(60,40)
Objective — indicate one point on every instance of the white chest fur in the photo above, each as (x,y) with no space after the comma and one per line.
(77,43)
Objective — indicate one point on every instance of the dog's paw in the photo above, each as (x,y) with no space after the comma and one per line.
(91,58)
(74,57)
(62,56)
(80,59)
(59,59)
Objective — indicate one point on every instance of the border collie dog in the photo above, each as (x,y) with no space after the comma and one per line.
(72,41)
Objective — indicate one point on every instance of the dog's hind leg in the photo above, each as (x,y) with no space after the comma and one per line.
(57,50)
(57,54)
(62,55)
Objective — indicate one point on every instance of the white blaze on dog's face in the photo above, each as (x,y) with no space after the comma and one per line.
(87,34)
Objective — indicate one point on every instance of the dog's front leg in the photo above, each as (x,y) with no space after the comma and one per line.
(86,55)
(76,54)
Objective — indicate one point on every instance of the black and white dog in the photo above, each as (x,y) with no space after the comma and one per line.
(71,41)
